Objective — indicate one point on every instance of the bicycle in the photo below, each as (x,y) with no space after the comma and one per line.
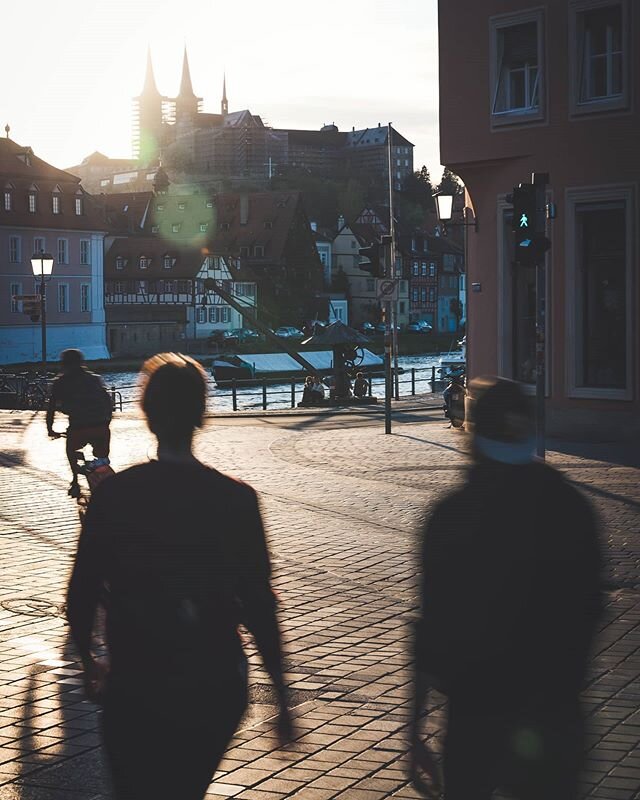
(94,472)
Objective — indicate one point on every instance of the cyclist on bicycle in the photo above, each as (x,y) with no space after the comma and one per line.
(82,396)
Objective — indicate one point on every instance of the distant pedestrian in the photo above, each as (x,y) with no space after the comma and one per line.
(360,386)
(82,396)
(510,603)
(182,552)
(317,391)
(307,391)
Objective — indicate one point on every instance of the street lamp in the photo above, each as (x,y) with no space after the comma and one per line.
(42,266)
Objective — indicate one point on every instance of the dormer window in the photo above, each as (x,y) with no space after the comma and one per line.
(32,199)
(155,229)
(224,226)
(55,203)
(121,262)
(8,200)
(258,251)
(144,262)
(182,206)
(168,261)
(175,228)
(203,227)
(209,204)
(160,207)
(79,208)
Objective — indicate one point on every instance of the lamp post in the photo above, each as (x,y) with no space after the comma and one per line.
(42,266)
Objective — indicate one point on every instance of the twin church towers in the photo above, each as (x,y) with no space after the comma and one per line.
(156,117)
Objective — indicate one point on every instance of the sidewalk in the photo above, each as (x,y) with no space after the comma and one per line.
(343,505)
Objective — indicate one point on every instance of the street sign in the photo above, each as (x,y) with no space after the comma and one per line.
(387,289)
(26,298)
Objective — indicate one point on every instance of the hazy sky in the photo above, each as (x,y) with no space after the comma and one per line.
(76,64)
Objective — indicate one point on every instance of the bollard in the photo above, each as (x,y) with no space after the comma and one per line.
(293,393)
(370,385)
(264,395)
(433,380)
(413,380)
(113,398)
(234,394)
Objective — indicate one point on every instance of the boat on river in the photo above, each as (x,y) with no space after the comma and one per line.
(257,368)
(454,363)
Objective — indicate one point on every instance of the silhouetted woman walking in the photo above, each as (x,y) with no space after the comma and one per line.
(182,552)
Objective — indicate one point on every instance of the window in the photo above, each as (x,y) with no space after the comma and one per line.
(201,315)
(425,246)
(416,268)
(209,204)
(258,251)
(413,244)
(63,298)
(85,252)
(118,287)
(224,226)
(85,297)
(168,261)
(15,249)
(55,203)
(268,225)
(323,258)
(16,305)
(423,295)
(155,229)
(244,252)
(63,251)
(424,269)
(160,207)
(121,262)
(182,206)
(353,244)
(516,63)
(144,262)
(602,267)
(8,200)
(414,295)
(600,60)
(432,270)
(32,199)
(38,245)
(432,294)
(371,284)
(219,314)
(78,206)
(175,228)
(204,226)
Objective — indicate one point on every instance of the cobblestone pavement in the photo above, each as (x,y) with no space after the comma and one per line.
(343,505)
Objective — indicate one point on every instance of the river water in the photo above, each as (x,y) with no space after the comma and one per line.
(279,395)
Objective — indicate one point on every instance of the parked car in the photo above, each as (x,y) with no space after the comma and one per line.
(224,338)
(368,327)
(419,327)
(381,327)
(288,332)
(246,334)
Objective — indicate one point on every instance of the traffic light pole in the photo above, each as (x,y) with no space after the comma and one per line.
(389,258)
(539,181)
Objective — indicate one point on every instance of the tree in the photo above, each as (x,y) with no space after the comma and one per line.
(450,183)
(418,189)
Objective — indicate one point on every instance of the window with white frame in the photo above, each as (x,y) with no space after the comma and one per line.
(424,269)
(168,261)
(85,297)
(416,268)
(144,262)
(78,206)
(516,67)
(258,251)
(8,200)
(600,58)
(175,228)
(63,298)
(15,289)
(121,262)
(219,314)
(38,245)
(85,252)
(601,272)
(55,203)
(414,295)
(33,202)
(201,315)
(15,249)
(432,294)
(423,294)
(432,270)
(204,227)
(63,251)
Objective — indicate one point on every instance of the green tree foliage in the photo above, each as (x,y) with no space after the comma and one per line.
(419,190)
(450,183)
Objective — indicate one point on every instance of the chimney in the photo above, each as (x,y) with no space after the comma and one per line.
(340,222)
(244,209)
(378,124)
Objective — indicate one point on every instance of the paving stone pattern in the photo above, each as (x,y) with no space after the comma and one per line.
(343,505)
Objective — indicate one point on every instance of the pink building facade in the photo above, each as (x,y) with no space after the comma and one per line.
(551,87)
(43,208)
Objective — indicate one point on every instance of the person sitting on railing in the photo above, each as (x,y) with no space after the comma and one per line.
(360,386)
(317,391)
(307,392)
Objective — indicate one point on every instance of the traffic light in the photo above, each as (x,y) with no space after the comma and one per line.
(524,221)
(372,265)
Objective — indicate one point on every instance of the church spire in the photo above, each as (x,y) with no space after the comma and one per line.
(149,87)
(224,105)
(186,89)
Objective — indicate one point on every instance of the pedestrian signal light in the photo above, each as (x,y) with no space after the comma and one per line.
(524,222)
(372,264)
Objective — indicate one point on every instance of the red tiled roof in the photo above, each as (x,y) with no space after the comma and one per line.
(20,170)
